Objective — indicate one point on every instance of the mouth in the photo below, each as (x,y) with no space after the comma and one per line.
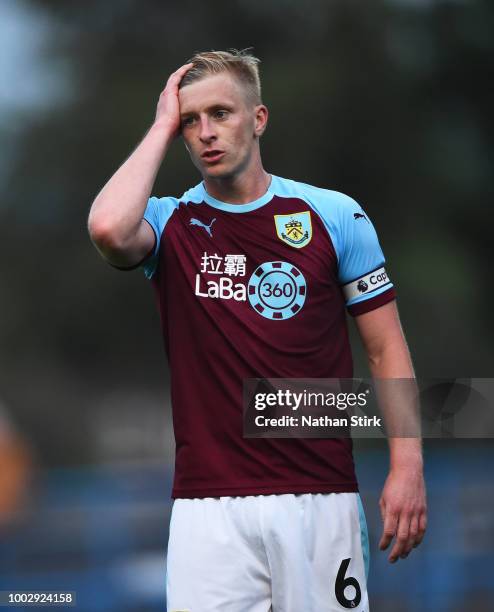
(212,156)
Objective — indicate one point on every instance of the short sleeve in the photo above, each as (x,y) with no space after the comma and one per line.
(360,261)
(157,214)
(361,272)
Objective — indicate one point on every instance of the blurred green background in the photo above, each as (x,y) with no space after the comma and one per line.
(389,101)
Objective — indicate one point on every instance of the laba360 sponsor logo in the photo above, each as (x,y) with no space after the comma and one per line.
(224,289)
(275,290)
(223,286)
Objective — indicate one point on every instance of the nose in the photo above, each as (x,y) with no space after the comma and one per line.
(206,133)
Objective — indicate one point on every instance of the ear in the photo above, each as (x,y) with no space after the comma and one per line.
(261,120)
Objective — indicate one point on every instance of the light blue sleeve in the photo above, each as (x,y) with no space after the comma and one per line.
(360,258)
(157,214)
(361,272)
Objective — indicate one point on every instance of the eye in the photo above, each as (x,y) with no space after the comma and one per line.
(221,114)
(187,121)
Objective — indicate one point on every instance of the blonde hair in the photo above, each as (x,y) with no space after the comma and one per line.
(241,64)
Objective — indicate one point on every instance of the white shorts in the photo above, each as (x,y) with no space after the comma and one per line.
(285,553)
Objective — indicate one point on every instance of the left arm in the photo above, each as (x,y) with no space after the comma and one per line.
(403,500)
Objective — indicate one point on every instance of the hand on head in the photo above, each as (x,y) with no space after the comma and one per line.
(168,109)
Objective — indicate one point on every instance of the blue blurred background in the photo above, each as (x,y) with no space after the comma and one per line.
(389,101)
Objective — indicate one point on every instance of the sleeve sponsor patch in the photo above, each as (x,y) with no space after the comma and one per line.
(366,284)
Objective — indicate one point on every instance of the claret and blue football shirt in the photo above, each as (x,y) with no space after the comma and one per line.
(251,291)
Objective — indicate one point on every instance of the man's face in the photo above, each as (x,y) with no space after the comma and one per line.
(219,125)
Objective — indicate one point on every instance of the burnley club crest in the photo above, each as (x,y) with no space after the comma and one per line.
(294,229)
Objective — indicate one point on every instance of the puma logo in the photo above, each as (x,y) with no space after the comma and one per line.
(203,225)
(360,216)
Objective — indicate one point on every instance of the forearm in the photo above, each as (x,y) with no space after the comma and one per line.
(117,211)
(398,403)
(403,504)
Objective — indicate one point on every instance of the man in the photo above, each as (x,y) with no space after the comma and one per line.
(253,273)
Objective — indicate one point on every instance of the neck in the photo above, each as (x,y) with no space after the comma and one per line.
(246,186)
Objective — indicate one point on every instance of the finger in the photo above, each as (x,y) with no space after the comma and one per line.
(382,507)
(176,77)
(402,535)
(389,529)
(178,74)
(183,69)
(422,529)
(412,536)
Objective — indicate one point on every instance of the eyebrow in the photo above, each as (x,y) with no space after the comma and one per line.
(212,108)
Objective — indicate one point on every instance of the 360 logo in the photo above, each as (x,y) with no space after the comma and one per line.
(277,290)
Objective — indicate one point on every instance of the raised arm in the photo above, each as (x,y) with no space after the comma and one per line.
(115,223)
(403,500)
